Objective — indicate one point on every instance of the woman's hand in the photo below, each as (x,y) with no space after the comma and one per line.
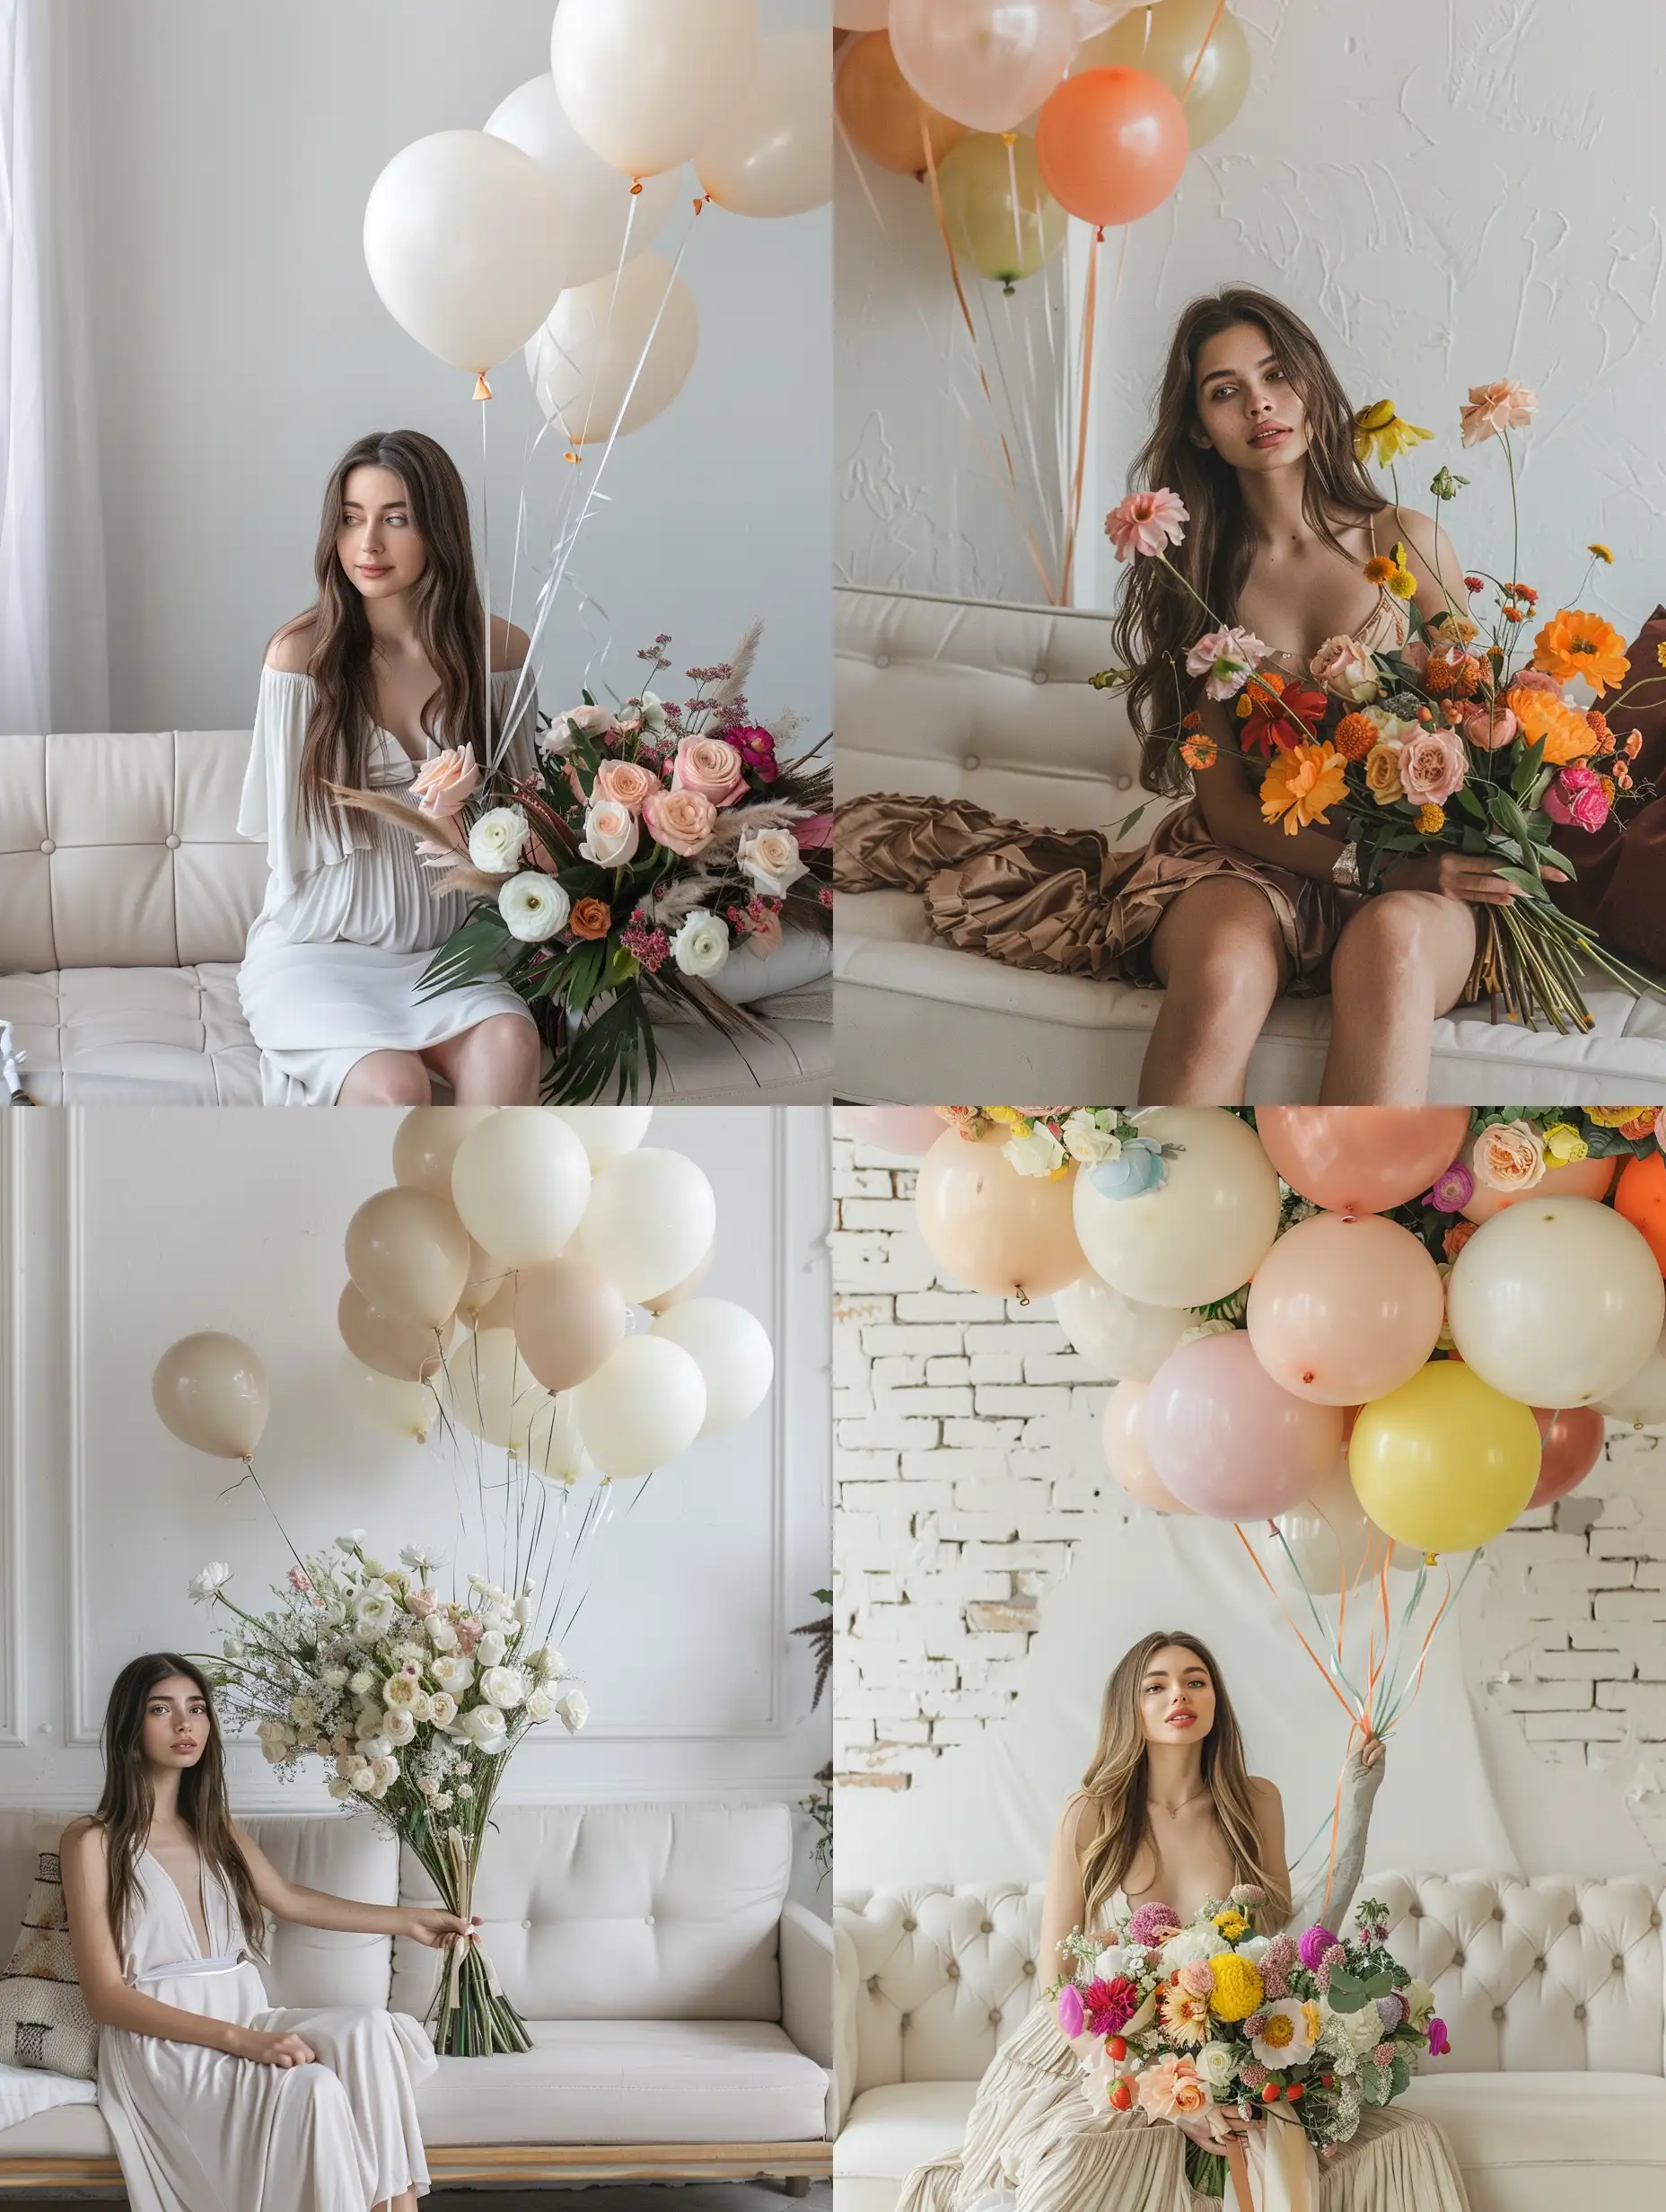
(436,1930)
(1468,876)
(1371,1752)
(261,2049)
(1205,2128)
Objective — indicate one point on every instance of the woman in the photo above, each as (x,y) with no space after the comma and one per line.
(1255,435)
(1166,1812)
(217,2102)
(376,680)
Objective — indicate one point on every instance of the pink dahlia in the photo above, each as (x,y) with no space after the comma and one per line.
(1146,522)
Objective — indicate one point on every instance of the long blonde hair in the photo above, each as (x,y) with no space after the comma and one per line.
(1119,1822)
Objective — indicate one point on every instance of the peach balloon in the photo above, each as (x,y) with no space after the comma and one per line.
(1124,1451)
(987,63)
(426,1144)
(1226,1439)
(882,115)
(1362,1159)
(393,1347)
(569,1320)
(908,1131)
(408,1253)
(211,1390)
(488,1298)
(1640,1197)
(992,1229)
(1111,145)
(1344,1308)
(1570,1445)
(1583,1179)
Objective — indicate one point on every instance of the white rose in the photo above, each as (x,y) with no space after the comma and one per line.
(1193,1943)
(1351,2034)
(454,1673)
(1216,2064)
(573,1709)
(587,720)
(523,1609)
(386,1771)
(612,834)
(701,945)
(533,905)
(1087,1141)
(499,1614)
(538,1707)
(650,712)
(401,1693)
(340,1787)
(373,1618)
(485,1727)
(441,1709)
(399,1728)
(208,1583)
(274,1741)
(441,1633)
(1038,1154)
(489,1651)
(546,1664)
(503,1686)
(497,841)
(772,860)
(361,1778)
(1119,1959)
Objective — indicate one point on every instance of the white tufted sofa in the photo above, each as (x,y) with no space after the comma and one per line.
(1553,1990)
(680,2010)
(127,895)
(939,697)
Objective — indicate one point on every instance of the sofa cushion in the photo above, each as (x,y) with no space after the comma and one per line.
(892,2130)
(133,1036)
(351,1856)
(67,2131)
(1604,2133)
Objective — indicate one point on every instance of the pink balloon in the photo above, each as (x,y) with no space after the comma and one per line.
(1344,1308)
(909,1131)
(1226,1439)
(1361,1159)
(1124,1450)
(1572,1446)
(1584,1178)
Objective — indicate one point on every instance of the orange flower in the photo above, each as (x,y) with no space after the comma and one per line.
(591,918)
(1302,786)
(1567,735)
(1633,745)
(1640,1125)
(1605,783)
(1458,1236)
(1200,752)
(1575,644)
(1379,570)
(1606,739)
(1355,734)
(1430,819)
(1459,677)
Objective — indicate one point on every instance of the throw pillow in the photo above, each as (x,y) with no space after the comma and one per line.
(44,2020)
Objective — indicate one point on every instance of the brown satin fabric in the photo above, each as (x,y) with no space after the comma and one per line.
(1620,891)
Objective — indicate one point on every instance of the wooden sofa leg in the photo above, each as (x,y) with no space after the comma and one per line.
(797,2185)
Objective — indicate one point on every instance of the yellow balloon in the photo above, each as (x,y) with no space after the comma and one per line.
(1000,214)
(1445,1463)
(1164,41)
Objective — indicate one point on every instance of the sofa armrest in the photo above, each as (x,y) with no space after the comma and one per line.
(807,1982)
(845,2049)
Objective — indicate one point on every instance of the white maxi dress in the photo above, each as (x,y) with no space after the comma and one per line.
(351,919)
(197,2131)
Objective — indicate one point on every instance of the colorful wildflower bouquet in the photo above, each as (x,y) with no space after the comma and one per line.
(1462,741)
(1173,2020)
(651,845)
(418,1702)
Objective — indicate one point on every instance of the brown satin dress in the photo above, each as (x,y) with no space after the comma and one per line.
(1064,900)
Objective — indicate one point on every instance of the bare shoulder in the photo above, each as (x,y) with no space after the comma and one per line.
(1263,1795)
(291,649)
(509,644)
(82,1841)
(1422,534)
(1076,1822)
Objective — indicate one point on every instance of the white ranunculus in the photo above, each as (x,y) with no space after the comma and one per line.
(377,1745)
(771,859)
(1038,1154)
(572,1707)
(701,945)
(1216,2064)
(454,1672)
(499,1614)
(1087,1140)
(399,1728)
(339,1786)
(386,1770)
(363,1778)
(533,905)
(213,1577)
(373,1617)
(1119,1959)
(441,1633)
(503,1686)
(489,1651)
(1193,1943)
(546,1664)
(538,1706)
(485,1727)
(612,834)
(497,841)
(442,1708)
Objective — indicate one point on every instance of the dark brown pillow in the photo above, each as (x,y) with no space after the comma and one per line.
(1620,893)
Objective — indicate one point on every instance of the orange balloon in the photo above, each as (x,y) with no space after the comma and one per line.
(1361,1159)
(1583,1178)
(1111,145)
(1570,1447)
(1641,1197)
(992,1229)
(882,114)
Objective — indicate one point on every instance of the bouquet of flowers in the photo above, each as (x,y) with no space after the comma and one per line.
(651,844)
(1462,741)
(418,1702)
(1176,2019)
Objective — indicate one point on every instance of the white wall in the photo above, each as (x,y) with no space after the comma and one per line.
(1448,194)
(240,348)
(121,1231)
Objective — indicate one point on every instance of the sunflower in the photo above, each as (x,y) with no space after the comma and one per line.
(1302,784)
(1567,735)
(1575,644)
(1380,435)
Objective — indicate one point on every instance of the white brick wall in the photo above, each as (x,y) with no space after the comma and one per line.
(968,1461)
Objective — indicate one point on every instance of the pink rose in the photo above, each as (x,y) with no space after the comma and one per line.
(1578,798)
(1535,679)
(709,768)
(443,786)
(627,782)
(764,937)
(683,821)
(421,1603)
(1171,2090)
(1431,766)
(1488,733)
(612,834)
(1415,655)
(1509,1155)
(470,1629)
(1345,670)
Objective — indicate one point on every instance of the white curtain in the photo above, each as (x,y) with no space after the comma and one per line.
(54,643)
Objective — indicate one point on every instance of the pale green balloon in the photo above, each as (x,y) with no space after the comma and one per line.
(1006,235)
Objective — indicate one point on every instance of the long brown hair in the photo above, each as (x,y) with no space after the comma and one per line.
(128,1801)
(1115,1783)
(1156,621)
(445,601)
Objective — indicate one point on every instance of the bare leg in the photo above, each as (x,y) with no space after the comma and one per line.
(386,1079)
(1402,959)
(493,1063)
(405,2201)
(1222,961)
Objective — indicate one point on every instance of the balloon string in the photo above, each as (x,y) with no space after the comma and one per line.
(1296,1632)
(1335,1663)
(1012,187)
(1090,317)
(1215,25)
(485,562)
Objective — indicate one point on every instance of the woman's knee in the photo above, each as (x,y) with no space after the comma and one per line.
(387,1079)
(1391,941)
(1225,950)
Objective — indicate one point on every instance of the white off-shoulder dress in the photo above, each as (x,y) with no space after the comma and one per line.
(198,2131)
(351,919)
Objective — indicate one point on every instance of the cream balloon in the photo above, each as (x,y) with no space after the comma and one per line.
(1123,1339)
(1332,1541)
(600,221)
(555,1449)
(377,1401)
(651,1216)
(615,353)
(732,1351)
(491,1391)
(643,1410)
(1201,1233)
(210,1389)
(1556,1302)
(606,1131)
(678,1292)
(408,1253)
(488,1296)
(645,81)
(771,152)
(426,1144)
(1641,1398)
(520,1182)
(1125,1451)
(462,238)
(985,63)
(391,1348)
(569,1320)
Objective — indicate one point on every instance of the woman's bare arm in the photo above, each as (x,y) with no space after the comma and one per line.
(1362,1778)
(293,1901)
(1065,1905)
(1229,793)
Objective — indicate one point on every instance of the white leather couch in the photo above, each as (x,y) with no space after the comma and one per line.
(940,698)
(125,897)
(1554,1991)
(680,2010)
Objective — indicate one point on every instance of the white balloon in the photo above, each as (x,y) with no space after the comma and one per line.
(555,1449)
(642,1409)
(1332,1541)
(861,15)
(599,219)
(615,353)
(606,1132)
(651,1217)
(1641,1398)
(1556,1302)
(772,151)
(520,1182)
(490,1389)
(645,81)
(379,1402)
(463,240)
(732,1351)
(1123,1339)
(1202,1233)
(689,1283)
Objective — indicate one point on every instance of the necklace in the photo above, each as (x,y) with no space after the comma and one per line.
(1172,1810)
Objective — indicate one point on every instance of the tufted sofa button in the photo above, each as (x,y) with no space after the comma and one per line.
(1498,2012)
(908,1926)
(1040,676)
(972,761)
(1654,1919)
(1030,1966)
(906,2023)
(1619,1963)
(1457,1958)
(1573,1919)
(987,1928)
(1538,1966)
(46,846)
(995,2017)
(881,660)
(526,1924)
(1123,783)
(1579,2011)
(1498,1912)
(173,842)
(1416,1912)
(952,1971)
(647,1920)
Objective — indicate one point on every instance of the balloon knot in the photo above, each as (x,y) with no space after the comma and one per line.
(482,390)
(1024,1296)
(1008,286)
(1431,1559)
(1099,234)
(574,457)
(1009,138)
(636,187)
(703,203)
